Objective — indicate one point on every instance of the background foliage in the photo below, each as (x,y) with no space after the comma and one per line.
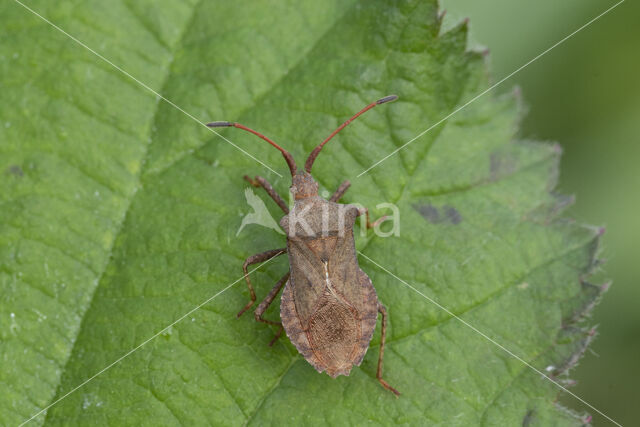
(119,215)
(586,95)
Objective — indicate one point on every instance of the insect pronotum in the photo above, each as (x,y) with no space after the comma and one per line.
(329,306)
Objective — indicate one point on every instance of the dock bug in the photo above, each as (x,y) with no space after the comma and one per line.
(329,306)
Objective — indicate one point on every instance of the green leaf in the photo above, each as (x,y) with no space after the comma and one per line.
(119,215)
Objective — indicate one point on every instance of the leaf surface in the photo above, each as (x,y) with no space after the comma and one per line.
(119,215)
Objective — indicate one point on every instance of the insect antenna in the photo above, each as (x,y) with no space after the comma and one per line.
(287,156)
(312,157)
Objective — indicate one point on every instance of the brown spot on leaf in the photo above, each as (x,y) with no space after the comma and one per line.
(15,170)
(438,215)
(428,212)
(452,215)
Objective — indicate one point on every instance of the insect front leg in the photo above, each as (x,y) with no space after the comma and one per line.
(382,310)
(259,181)
(340,191)
(264,305)
(253,259)
(365,211)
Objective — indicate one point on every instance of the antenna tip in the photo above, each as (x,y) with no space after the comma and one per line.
(219,124)
(389,98)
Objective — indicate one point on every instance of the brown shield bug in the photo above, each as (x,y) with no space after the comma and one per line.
(329,306)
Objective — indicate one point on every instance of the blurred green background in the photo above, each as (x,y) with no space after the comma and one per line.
(585,94)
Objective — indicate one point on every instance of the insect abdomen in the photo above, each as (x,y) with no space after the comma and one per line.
(334,333)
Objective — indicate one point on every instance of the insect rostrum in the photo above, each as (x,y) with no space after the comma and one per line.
(329,306)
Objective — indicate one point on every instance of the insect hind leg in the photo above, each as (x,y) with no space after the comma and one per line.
(383,311)
(254,259)
(264,305)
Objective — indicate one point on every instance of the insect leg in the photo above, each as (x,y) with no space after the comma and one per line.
(264,305)
(382,310)
(253,259)
(340,191)
(259,181)
(365,211)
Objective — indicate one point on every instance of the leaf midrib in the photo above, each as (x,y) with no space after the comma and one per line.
(142,173)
